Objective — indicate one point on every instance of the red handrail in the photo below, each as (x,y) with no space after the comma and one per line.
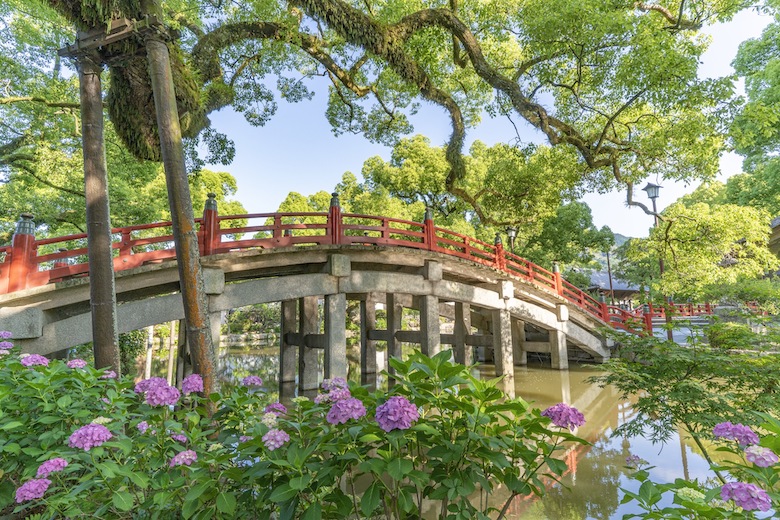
(54,259)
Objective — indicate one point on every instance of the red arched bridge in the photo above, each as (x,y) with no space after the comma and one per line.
(42,281)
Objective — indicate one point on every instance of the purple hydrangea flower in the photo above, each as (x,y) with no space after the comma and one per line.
(146,384)
(5,345)
(184,458)
(34,359)
(76,363)
(332,384)
(337,394)
(735,432)
(564,416)
(747,496)
(245,438)
(50,466)
(162,395)
(276,409)
(4,334)
(252,381)
(191,384)
(344,410)
(634,461)
(321,398)
(178,437)
(110,374)
(32,489)
(89,436)
(275,439)
(397,413)
(760,456)
(143,426)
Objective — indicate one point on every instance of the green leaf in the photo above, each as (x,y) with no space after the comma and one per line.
(282,493)
(11,425)
(122,500)
(226,503)
(313,512)
(371,498)
(399,468)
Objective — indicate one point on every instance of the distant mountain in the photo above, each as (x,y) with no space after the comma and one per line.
(621,239)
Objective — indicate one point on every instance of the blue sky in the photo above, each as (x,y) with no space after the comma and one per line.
(297,151)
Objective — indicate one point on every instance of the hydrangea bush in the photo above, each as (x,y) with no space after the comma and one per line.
(75,443)
(747,487)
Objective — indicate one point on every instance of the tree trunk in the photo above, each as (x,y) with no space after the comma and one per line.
(185,236)
(101,265)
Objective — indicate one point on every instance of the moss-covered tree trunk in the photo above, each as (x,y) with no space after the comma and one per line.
(101,267)
(185,236)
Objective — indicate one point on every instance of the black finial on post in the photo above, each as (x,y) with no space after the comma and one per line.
(428,214)
(26,225)
(556,267)
(334,200)
(211,201)
(497,241)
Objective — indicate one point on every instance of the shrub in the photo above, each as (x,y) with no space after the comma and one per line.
(77,443)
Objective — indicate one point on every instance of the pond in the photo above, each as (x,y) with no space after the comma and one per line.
(591,487)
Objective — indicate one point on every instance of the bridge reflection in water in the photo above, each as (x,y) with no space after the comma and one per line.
(591,487)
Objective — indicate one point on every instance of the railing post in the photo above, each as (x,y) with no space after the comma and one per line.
(430,229)
(23,249)
(500,262)
(604,308)
(334,219)
(63,262)
(557,278)
(707,308)
(648,315)
(210,226)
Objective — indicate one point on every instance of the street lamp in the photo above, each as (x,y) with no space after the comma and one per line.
(511,233)
(652,193)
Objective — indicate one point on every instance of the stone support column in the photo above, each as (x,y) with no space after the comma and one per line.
(336,335)
(464,354)
(518,343)
(429,325)
(502,345)
(287,358)
(367,346)
(394,324)
(308,359)
(558,351)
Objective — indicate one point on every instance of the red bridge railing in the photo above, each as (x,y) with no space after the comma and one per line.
(29,263)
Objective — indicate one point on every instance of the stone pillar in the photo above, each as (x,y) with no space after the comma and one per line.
(502,345)
(308,362)
(518,343)
(429,325)
(215,321)
(367,346)
(464,354)
(558,351)
(287,361)
(336,335)
(394,324)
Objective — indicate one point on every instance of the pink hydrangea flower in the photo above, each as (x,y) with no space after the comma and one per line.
(110,374)
(32,489)
(760,456)
(51,466)
(191,384)
(735,432)
(142,426)
(397,413)
(162,395)
(275,439)
(251,381)
(5,345)
(276,409)
(76,363)
(344,410)
(178,437)
(34,359)
(89,436)
(747,496)
(4,334)
(185,458)
(564,416)
(143,386)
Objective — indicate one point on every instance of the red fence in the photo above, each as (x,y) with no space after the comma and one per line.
(32,263)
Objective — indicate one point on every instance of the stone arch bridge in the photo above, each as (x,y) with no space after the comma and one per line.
(468,293)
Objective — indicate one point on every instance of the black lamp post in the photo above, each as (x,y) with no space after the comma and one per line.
(652,193)
(511,233)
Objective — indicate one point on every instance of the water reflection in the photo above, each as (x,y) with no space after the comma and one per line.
(591,487)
